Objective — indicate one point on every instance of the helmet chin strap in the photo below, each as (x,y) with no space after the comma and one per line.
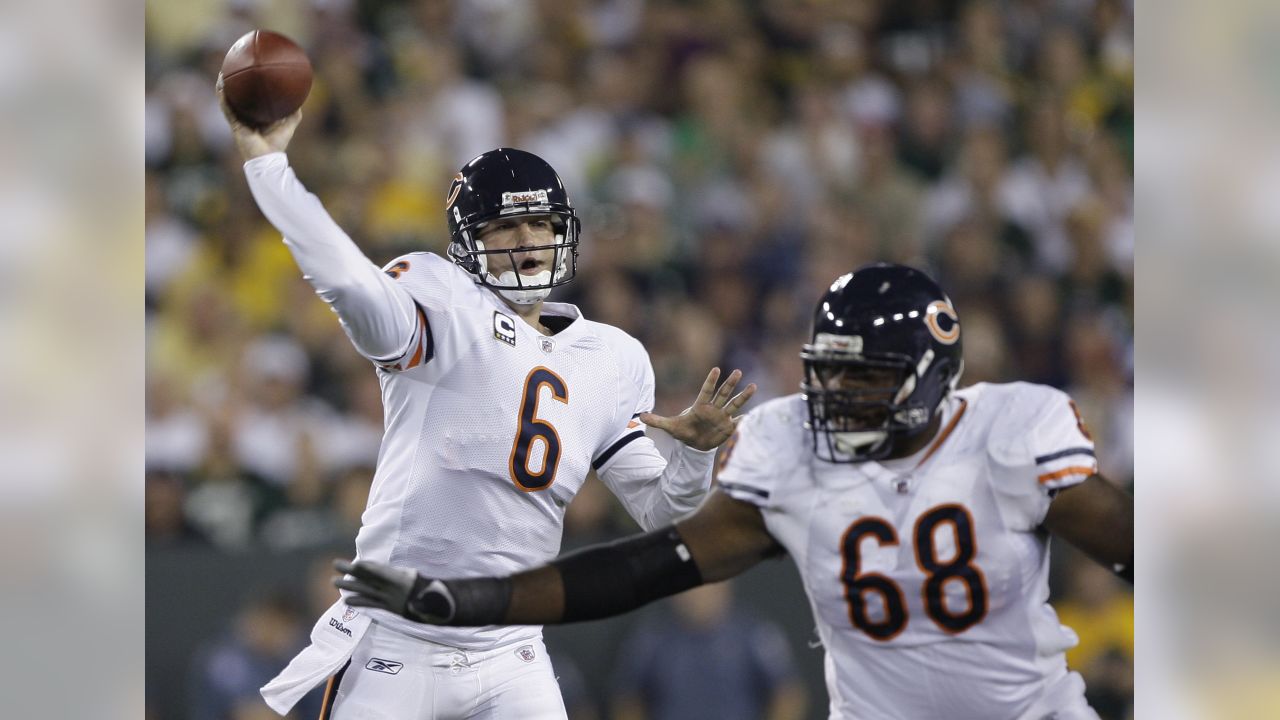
(516,295)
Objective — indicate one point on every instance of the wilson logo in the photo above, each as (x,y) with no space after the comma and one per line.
(390,667)
(333,623)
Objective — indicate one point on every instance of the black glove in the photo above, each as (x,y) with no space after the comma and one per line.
(400,590)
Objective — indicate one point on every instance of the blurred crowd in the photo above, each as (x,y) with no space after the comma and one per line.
(728,159)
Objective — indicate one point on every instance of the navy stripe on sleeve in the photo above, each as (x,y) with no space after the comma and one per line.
(431,340)
(735,487)
(614,448)
(1064,453)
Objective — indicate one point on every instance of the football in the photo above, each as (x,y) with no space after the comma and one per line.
(265,77)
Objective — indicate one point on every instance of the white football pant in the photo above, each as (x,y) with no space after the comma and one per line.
(393,676)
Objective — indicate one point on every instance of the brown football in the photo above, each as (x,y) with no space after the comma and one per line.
(265,77)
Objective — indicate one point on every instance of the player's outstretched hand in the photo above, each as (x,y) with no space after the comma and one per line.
(710,420)
(254,142)
(400,590)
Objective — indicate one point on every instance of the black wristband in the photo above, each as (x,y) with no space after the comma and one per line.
(478,601)
(612,579)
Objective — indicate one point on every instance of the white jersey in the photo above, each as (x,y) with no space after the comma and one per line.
(927,575)
(491,428)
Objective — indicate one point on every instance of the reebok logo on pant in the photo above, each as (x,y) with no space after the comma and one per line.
(390,667)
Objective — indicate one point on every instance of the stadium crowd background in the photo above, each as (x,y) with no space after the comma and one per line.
(728,160)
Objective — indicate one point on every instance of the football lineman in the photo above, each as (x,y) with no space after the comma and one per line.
(918,515)
(498,406)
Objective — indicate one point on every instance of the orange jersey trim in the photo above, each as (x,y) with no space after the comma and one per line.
(1065,472)
(946,432)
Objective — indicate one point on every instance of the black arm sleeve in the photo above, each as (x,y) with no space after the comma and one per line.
(612,579)
(598,582)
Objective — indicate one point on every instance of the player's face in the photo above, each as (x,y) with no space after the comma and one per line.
(525,231)
(869,382)
(864,394)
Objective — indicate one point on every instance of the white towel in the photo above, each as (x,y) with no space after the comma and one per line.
(333,639)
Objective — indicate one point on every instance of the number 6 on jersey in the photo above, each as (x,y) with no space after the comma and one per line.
(532,429)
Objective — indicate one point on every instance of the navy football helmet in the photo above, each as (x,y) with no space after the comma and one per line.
(884,353)
(503,183)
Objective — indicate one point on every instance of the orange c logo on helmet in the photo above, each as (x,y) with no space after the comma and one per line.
(942,307)
(453,191)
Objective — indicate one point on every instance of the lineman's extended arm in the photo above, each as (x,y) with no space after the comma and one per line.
(724,538)
(1097,518)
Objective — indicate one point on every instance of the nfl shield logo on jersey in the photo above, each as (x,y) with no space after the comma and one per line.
(350,614)
(548,344)
(525,653)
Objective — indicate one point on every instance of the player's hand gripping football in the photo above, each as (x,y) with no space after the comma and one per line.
(251,142)
(710,420)
(400,590)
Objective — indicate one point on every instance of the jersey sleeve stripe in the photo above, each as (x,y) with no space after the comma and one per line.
(415,341)
(1064,453)
(423,345)
(426,347)
(417,355)
(1067,472)
(622,442)
(739,488)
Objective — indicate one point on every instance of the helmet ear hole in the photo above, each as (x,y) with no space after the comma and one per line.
(462,258)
